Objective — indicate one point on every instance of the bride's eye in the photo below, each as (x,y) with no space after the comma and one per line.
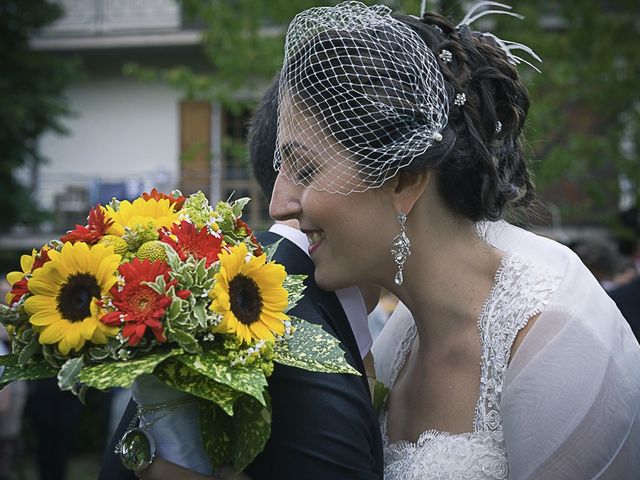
(306,173)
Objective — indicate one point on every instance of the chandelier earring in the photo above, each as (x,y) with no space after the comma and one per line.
(401,249)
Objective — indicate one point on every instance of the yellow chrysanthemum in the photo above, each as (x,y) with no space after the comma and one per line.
(65,291)
(160,213)
(26,264)
(249,295)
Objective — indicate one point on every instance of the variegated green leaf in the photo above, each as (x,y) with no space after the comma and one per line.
(295,286)
(14,371)
(176,374)
(311,348)
(216,366)
(252,427)
(217,434)
(122,374)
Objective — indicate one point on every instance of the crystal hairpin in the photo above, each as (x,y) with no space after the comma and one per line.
(446,56)
(506,46)
(498,126)
(460,99)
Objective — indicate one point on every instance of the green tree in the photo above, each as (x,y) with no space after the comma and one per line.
(31,86)
(585,117)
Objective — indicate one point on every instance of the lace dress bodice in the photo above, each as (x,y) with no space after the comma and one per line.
(520,292)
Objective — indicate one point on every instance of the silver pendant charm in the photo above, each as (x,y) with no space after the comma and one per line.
(137,449)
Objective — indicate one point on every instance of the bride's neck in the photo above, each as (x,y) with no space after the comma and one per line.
(448,277)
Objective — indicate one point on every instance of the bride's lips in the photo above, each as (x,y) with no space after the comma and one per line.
(315,237)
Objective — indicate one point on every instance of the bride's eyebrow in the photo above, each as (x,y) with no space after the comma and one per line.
(293,148)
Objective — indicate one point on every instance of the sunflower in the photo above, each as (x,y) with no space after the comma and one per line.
(66,291)
(249,295)
(158,212)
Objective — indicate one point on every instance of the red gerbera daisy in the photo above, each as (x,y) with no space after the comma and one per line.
(241,225)
(138,305)
(187,240)
(155,194)
(94,231)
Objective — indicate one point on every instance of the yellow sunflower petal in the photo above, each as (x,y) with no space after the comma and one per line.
(74,336)
(40,303)
(260,331)
(26,262)
(44,318)
(13,277)
(42,285)
(55,332)
(64,347)
(88,327)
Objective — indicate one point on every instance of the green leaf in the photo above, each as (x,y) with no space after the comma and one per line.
(217,434)
(201,271)
(187,341)
(311,348)
(28,351)
(238,205)
(176,374)
(122,374)
(252,427)
(215,365)
(174,309)
(68,374)
(201,314)
(380,394)
(14,371)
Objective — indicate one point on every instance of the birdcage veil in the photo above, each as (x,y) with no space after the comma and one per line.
(360,96)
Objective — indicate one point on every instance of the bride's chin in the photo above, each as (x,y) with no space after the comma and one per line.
(329,282)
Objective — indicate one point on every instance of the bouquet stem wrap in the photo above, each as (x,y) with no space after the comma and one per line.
(172,417)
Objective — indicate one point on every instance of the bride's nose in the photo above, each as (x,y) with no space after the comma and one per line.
(285,200)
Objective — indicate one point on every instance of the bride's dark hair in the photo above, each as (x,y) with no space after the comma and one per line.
(481,165)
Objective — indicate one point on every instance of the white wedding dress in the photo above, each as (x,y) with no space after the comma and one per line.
(564,407)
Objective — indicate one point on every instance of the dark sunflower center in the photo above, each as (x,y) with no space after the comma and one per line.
(245,299)
(74,298)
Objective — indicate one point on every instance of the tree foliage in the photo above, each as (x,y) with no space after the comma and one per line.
(31,102)
(584,123)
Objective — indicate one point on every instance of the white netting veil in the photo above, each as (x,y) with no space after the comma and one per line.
(360,96)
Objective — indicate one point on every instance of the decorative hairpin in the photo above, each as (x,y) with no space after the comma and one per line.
(460,99)
(506,46)
(498,126)
(437,137)
(446,56)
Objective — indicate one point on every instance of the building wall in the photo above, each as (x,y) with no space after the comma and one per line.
(123,131)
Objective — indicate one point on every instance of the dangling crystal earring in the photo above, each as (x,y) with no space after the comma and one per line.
(401,248)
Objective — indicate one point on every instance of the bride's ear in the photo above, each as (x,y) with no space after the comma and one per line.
(407,187)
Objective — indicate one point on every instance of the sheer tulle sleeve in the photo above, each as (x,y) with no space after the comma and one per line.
(387,343)
(571,396)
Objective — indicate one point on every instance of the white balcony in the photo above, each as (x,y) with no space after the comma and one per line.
(100,24)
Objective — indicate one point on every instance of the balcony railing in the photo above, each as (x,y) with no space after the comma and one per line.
(104,17)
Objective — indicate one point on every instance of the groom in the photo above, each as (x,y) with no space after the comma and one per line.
(323,425)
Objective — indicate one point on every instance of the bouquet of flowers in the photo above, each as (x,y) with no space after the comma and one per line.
(176,299)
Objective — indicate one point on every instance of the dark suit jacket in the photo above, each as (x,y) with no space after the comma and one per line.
(627,298)
(323,426)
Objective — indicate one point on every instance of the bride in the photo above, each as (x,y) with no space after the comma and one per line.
(399,152)
(399,149)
